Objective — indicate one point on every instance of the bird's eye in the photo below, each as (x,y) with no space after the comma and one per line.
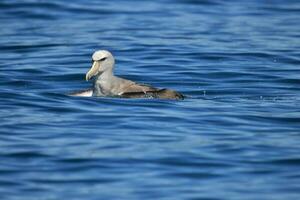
(102,59)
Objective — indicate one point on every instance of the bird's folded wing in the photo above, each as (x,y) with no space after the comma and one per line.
(136,88)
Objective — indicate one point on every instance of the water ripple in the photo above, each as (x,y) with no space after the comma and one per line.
(237,65)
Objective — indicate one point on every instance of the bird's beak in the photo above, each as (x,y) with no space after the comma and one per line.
(93,71)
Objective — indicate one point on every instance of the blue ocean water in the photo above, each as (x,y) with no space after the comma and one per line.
(235,136)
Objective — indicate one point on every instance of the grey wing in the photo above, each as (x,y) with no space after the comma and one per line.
(132,87)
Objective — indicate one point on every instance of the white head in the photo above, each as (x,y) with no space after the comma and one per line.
(102,61)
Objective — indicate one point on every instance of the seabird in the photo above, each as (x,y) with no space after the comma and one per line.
(108,85)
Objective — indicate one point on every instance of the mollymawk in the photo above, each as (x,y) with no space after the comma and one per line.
(109,85)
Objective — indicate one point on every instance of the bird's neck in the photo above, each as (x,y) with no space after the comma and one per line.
(103,83)
(106,75)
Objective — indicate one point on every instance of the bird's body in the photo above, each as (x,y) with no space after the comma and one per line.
(107,84)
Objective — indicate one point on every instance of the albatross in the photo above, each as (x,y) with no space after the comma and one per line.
(106,84)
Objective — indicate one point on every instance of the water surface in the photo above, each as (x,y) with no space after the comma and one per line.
(235,136)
